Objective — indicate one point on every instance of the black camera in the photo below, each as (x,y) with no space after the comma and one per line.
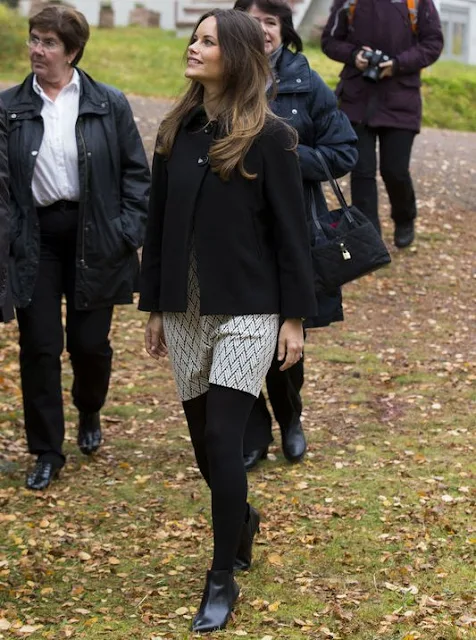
(374,58)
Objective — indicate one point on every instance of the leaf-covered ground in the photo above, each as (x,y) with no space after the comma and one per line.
(373,536)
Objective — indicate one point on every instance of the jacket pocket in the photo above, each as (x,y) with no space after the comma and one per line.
(403,94)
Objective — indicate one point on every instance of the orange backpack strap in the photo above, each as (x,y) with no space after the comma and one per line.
(413,14)
(412,6)
(349,6)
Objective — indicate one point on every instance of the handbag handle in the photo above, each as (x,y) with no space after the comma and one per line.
(332,181)
(315,219)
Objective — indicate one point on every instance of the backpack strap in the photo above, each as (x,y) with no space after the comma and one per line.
(349,6)
(412,6)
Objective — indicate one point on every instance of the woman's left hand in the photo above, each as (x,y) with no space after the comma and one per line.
(290,342)
(386,69)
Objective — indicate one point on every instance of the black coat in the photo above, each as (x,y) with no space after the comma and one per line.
(114,182)
(5,314)
(250,236)
(305,101)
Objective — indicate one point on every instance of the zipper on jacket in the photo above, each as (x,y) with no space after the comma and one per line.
(82,261)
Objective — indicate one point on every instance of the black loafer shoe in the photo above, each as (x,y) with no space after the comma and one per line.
(404,234)
(219,597)
(89,433)
(251,459)
(249,530)
(294,442)
(42,475)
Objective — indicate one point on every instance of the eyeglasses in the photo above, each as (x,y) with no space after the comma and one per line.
(47,45)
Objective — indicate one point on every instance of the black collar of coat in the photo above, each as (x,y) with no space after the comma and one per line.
(197,120)
(24,99)
(293,73)
(197,117)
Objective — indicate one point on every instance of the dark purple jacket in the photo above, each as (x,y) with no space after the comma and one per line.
(385,25)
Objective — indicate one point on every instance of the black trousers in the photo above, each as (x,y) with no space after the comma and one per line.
(395,146)
(42,338)
(284,392)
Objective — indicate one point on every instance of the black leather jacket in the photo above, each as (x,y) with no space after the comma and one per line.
(114,185)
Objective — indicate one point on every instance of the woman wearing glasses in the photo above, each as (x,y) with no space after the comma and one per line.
(79,186)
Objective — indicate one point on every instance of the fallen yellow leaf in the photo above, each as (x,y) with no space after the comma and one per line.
(275,558)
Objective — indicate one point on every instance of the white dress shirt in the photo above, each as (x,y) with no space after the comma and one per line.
(56,175)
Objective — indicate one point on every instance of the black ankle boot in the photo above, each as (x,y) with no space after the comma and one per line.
(252,458)
(89,432)
(219,596)
(294,442)
(248,532)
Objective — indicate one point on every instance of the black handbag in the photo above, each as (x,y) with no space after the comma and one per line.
(346,244)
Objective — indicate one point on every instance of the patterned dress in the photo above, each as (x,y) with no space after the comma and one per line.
(230,351)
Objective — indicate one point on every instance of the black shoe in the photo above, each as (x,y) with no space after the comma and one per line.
(219,597)
(248,532)
(89,434)
(294,442)
(251,459)
(41,476)
(404,234)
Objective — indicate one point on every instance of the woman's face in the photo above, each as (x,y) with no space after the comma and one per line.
(271,26)
(204,58)
(48,58)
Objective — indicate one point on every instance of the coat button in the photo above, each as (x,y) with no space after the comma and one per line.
(202,160)
(13,116)
(278,80)
(294,111)
(34,153)
(298,80)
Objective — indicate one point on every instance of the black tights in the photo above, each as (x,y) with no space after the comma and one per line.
(217,421)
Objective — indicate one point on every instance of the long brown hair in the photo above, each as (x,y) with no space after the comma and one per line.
(243,108)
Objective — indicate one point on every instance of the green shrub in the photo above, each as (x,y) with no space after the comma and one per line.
(13,30)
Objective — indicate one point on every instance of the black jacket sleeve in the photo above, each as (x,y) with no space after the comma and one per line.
(135,175)
(152,251)
(283,191)
(334,136)
(4,206)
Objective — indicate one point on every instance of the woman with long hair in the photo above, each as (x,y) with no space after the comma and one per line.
(299,95)
(226,254)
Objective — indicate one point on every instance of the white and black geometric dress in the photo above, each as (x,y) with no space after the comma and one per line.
(230,351)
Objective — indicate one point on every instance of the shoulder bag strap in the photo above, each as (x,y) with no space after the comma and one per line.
(334,184)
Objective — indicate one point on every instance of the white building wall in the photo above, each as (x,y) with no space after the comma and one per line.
(454,12)
(90,8)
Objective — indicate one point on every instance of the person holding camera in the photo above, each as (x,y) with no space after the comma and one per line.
(383,45)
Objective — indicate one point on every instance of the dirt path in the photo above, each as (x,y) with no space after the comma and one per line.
(444,161)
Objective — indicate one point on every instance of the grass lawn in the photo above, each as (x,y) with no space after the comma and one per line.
(149,62)
(373,536)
